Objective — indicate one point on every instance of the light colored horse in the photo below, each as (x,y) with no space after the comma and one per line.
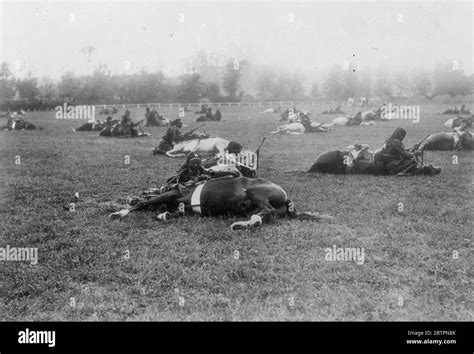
(204,147)
(341,121)
(445,141)
(298,128)
(292,128)
(449,123)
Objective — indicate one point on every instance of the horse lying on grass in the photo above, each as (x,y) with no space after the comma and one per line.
(19,125)
(456,122)
(240,196)
(204,147)
(299,128)
(119,131)
(360,160)
(445,141)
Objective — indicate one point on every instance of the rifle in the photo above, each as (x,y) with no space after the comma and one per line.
(193,130)
(417,145)
(257,152)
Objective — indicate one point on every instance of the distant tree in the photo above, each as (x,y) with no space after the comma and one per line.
(287,88)
(314,91)
(192,89)
(421,83)
(382,85)
(47,89)
(230,82)
(211,91)
(332,86)
(68,86)
(264,85)
(365,84)
(451,81)
(350,83)
(28,87)
(402,84)
(7,85)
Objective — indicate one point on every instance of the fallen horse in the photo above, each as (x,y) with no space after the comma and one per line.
(359,159)
(337,110)
(458,121)
(456,110)
(445,141)
(205,147)
(119,131)
(18,124)
(300,128)
(240,196)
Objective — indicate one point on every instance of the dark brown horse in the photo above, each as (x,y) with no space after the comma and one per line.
(19,124)
(342,162)
(90,127)
(360,162)
(118,130)
(240,196)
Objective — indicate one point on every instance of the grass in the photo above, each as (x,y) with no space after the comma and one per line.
(187,269)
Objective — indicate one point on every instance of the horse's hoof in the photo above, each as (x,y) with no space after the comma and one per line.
(256,221)
(132,200)
(166,216)
(238,226)
(119,214)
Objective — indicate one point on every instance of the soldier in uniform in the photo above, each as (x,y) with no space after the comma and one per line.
(126,123)
(394,156)
(190,173)
(173,135)
(460,132)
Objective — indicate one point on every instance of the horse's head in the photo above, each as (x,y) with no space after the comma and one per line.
(468,121)
(467,142)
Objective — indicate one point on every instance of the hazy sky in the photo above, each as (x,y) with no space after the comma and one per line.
(47,37)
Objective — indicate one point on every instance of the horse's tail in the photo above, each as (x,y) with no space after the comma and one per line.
(293,214)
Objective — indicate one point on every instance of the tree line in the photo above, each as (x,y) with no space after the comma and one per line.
(227,83)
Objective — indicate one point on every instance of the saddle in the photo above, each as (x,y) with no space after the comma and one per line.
(359,158)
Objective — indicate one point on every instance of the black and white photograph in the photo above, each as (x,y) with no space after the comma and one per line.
(236,161)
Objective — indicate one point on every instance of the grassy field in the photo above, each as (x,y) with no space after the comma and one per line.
(418,262)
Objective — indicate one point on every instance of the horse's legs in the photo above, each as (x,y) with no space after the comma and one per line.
(170,197)
(266,212)
(175,153)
